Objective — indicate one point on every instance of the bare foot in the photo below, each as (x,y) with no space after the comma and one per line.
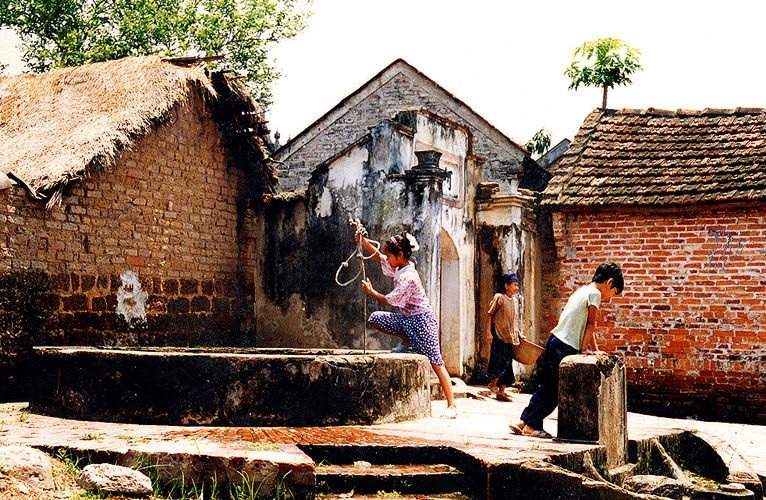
(492,386)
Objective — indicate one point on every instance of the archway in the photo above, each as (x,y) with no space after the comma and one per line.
(449,310)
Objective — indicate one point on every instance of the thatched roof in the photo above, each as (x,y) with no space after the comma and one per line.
(63,125)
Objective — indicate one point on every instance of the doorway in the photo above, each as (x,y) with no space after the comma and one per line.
(449,310)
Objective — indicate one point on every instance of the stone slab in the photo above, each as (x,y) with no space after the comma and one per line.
(230,387)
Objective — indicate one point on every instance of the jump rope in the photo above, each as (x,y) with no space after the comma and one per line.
(358,252)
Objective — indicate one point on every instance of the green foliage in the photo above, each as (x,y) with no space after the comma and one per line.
(248,490)
(540,142)
(91,437)
(604,63)
(23,415)
(70,463)
(61,33)
(178,488)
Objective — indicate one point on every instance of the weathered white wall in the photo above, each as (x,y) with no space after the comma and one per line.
(344,184)
(506,215)
(458,281)
(365,181)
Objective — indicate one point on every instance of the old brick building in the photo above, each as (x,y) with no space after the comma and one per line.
(487,224)
(129,200)
(678,199)
(399,86)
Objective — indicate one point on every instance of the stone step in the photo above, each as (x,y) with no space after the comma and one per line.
(354,496)
(459,389)
(365,478)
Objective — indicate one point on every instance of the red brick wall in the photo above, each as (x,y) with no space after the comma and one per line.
(690,325)
(167,210)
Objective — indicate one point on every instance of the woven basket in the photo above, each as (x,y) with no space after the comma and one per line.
(526,352)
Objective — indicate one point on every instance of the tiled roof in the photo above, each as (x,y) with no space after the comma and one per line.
(660,157)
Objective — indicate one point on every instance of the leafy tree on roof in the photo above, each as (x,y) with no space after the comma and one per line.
(540,142)
(605,62)
(61,33)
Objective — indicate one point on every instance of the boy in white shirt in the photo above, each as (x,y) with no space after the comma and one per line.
(575,331)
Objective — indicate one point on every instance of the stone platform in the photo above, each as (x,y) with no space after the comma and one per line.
(478,435)
(230,386)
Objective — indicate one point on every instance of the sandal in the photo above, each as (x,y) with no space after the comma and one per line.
(401,349)
(515,429)
(538,434)
(450,413)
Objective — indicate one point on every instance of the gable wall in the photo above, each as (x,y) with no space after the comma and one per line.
(690,330)
(398,93)
(166,211)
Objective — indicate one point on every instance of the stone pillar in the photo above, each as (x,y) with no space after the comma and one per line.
(424,203)
(593,404)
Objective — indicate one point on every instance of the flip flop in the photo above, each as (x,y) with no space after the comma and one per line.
(515,429)
(538,434)
(402,349)
(450,413)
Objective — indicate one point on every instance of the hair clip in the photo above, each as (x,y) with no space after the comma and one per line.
(393,240)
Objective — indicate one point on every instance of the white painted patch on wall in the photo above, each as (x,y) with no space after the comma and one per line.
(345,175)
(324,204)
(440,136)
(348,170)
(131,299)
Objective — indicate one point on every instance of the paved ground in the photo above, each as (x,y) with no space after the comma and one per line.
(480,428)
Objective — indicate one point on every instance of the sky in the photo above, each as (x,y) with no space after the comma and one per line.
(506,58)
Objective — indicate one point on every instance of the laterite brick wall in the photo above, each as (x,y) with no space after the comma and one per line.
(690,325)
(166,212)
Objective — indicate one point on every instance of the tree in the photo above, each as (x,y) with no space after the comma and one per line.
(611,61)
(60,33)
(540,142)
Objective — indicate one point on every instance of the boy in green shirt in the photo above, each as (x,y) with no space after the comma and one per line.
(575,330)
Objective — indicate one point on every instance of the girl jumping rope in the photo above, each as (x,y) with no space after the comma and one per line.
(416,325)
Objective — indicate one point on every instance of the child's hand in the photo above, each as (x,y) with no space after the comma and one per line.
(357,236)
(489,338)
(367,286)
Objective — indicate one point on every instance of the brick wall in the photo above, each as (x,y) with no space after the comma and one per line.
(166,211)
(690,325)
(399,93)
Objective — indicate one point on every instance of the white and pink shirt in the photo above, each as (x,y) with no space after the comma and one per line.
(408,293)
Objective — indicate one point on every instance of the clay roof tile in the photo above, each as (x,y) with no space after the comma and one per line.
(657,156)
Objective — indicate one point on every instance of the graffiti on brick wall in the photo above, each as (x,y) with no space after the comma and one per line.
(725,248)
(131,299)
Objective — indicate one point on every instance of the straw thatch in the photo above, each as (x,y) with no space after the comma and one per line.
(60,126)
